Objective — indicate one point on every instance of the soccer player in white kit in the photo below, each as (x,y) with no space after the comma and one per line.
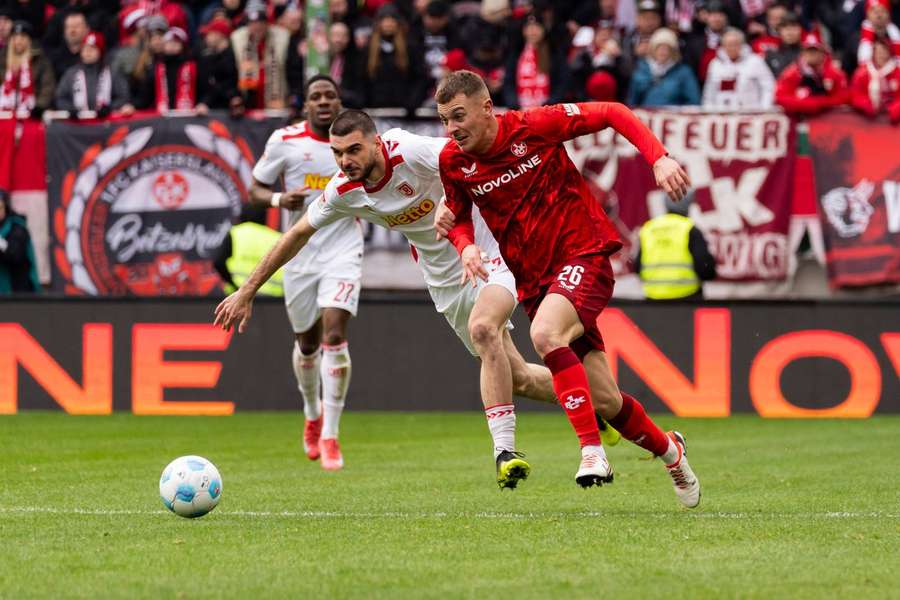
(322,282)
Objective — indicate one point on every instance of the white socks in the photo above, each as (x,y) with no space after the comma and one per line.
(336,368)
(306,368)
(501,420)
(671,454)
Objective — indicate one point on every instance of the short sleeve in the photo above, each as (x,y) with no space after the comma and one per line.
(325,209)
(271,164)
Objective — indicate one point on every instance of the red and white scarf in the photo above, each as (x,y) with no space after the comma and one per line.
(533,86)
(754,8)
(103,93)
(17,92)
(880,92)
(680,12)
(185,87)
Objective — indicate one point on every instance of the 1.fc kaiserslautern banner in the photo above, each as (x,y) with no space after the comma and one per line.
(141,207)
(857,170)
(741,166)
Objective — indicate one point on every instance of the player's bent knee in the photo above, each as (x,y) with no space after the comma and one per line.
(308,347)
(484,334)
(334,338)
(545,341)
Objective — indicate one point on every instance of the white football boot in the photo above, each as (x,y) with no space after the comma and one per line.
(687,486)
(594,468)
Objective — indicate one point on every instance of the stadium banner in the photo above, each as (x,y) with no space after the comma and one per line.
(858,186)
(741,167)
(141,207)
(162,356)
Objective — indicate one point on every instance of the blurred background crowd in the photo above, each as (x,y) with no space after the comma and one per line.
(113,57)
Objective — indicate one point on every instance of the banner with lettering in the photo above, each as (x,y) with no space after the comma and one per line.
(741,167)
(142,207)
(858,186)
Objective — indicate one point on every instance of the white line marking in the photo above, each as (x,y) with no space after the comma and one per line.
(314,514)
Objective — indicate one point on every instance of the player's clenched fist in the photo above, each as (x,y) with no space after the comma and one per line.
(473,260)
(444,219)
(671,177)
(236,308)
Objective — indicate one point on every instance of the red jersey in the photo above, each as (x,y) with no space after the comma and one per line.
(529,192)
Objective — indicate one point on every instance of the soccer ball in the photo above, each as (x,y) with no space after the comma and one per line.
(190,486)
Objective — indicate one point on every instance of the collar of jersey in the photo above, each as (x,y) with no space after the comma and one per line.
(389,163)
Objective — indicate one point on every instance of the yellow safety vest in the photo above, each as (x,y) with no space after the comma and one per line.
(667,267)
(249,243)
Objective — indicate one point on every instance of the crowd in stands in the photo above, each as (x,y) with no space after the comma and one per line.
(116,57)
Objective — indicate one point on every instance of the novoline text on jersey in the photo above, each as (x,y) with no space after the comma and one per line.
(517,171)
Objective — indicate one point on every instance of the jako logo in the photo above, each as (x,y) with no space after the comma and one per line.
(573,402)
(518,171)
(411,214)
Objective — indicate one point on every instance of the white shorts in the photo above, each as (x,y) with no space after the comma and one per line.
(306,294)
(456,302)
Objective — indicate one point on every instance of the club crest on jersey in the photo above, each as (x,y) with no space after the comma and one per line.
(519,150)
(307,156)
(406,189)
(469,171)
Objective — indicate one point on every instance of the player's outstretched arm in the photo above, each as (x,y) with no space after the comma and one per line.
(564,122)
(236,308)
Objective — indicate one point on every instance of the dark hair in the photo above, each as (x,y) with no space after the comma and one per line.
(460,82)
(353,120)
(319,77)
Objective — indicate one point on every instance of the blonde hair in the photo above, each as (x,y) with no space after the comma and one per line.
(15,61)
(462,82)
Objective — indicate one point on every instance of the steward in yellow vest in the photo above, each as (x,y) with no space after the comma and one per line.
(673,259)
(242,250)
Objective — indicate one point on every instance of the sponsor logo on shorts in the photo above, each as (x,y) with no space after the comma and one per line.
(410,215)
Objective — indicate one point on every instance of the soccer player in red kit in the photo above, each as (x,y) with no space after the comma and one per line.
(557,240)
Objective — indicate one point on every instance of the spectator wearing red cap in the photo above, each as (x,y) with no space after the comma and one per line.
(878,26)
(261,52)
(812,84)
(738,78)
(26,87)
(216,69)
(598,71)
(875,88)
(132,38)
(171,83)
(92,85)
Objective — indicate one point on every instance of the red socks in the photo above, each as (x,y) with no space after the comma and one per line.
(634,424)
(573,390)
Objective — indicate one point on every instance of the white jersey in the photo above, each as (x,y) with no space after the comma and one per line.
(302,158)
(404,200)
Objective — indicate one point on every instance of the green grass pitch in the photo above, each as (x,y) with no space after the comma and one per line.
(791,509)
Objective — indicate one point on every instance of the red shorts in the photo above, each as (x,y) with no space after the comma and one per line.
(587,282)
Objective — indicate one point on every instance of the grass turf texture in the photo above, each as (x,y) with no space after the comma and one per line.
(790,509)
